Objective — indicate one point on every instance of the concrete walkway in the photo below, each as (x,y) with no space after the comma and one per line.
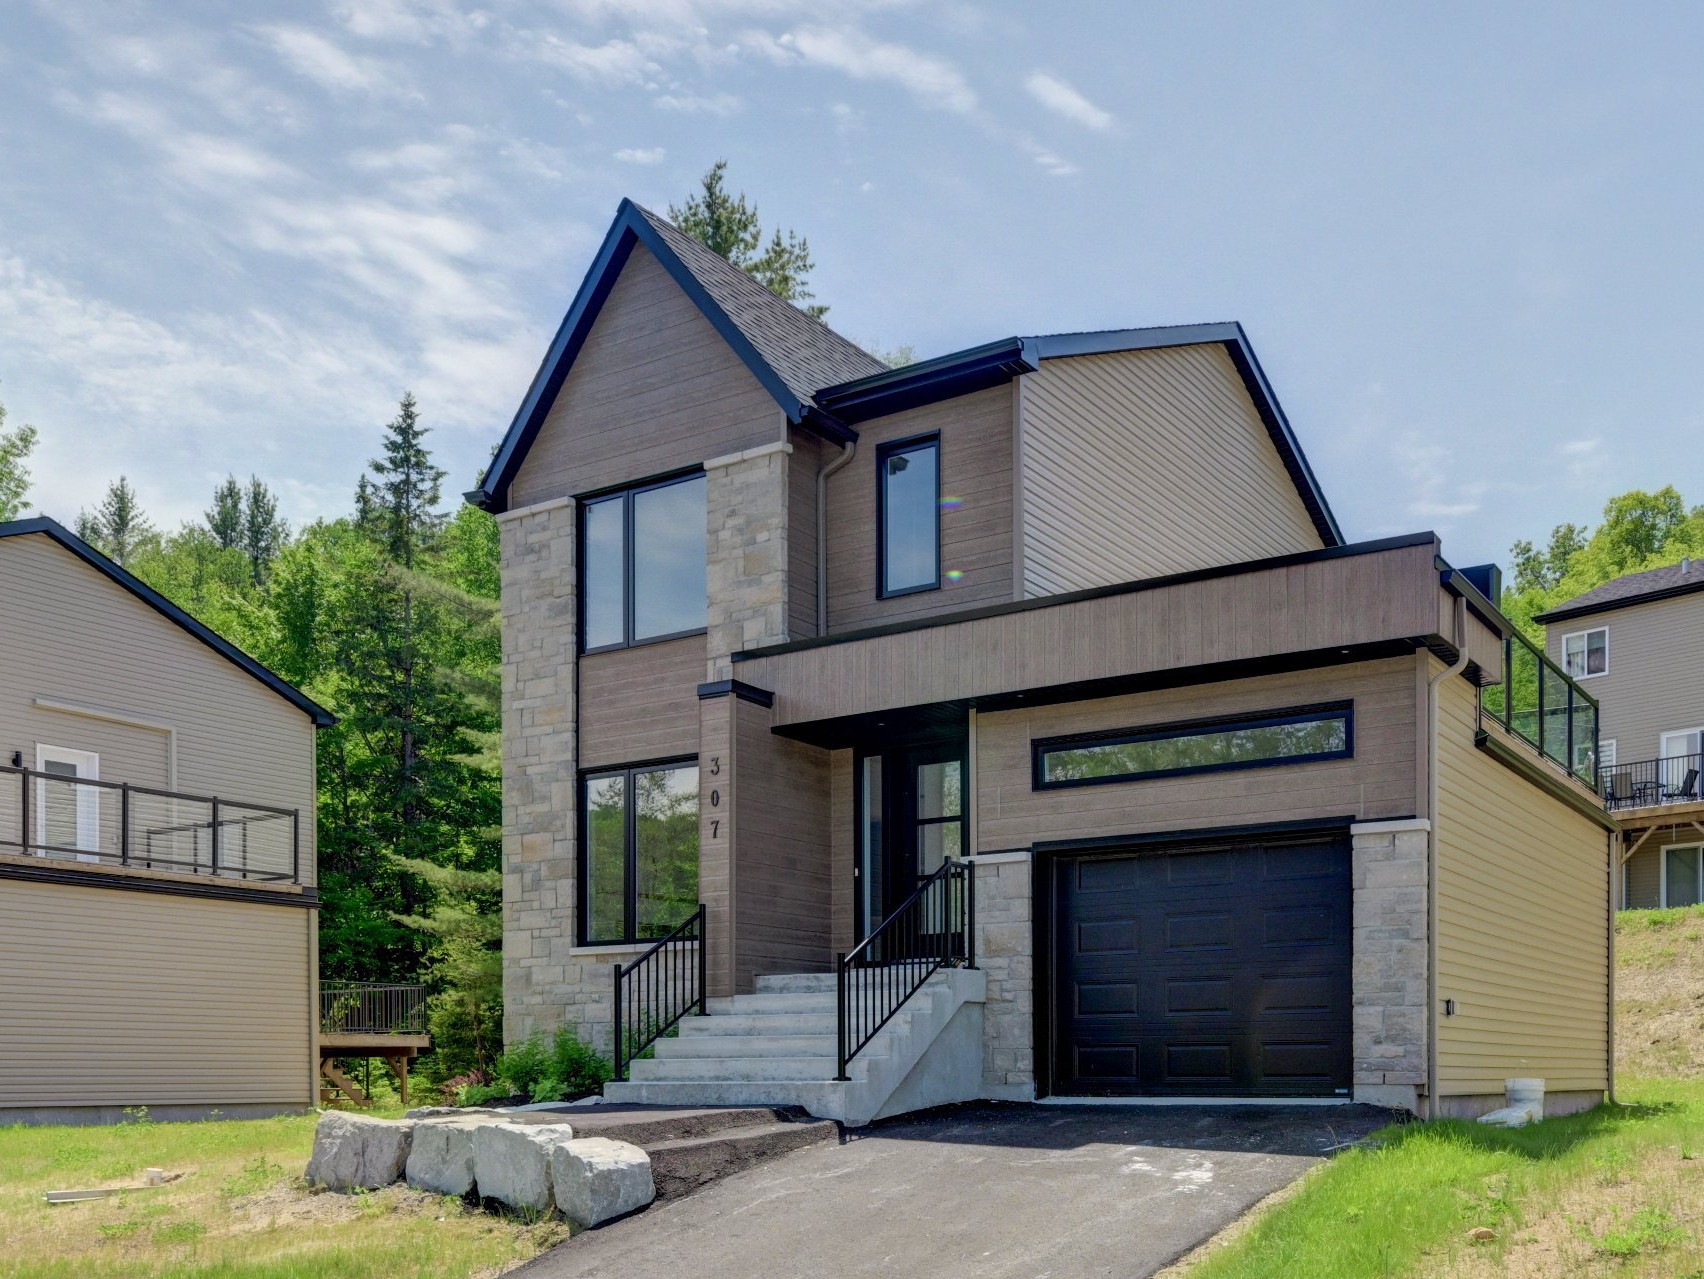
(977,1192)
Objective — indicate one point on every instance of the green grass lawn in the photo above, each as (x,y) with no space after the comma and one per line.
(240,1212)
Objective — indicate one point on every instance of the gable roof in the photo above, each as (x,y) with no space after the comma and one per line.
(790,353)
(1631,588)
(57,532)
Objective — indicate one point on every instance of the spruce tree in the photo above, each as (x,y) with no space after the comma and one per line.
(15,449)
(225,516)
(262,531)
(117,526)
(406,494)
(728,225)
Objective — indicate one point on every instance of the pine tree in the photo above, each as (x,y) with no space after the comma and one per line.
(262,531)
(406,495)
(15,449)
(729,226)
(117,526)
(225,516)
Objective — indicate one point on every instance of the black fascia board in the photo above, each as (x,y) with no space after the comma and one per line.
(56,531)
(929,381)
(1566,613)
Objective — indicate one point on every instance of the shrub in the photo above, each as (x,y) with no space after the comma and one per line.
(560,1069)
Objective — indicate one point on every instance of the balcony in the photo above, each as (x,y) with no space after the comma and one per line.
(1653,783)
(53,816)
(1540,704)
(361,1020)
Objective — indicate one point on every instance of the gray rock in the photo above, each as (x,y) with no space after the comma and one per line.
(431,1112)
(597,1179)
(511,1162)
(441,1157)
(358,1152)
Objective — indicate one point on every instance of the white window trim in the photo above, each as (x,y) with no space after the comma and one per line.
(1662,870)
(88,765)
(1590,631)
(1606,752)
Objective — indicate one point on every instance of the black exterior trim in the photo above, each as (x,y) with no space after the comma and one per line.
(1253,832)
(737,688)
(1041,747)
(629,852)
(625,494)
(225,890)
(929,381)
(911,444)
(1565,613)
(58,533)
(1535,771)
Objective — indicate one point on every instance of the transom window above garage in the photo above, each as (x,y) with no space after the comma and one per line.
(1295,735)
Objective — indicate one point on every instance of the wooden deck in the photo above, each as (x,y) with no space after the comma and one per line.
(396,1050)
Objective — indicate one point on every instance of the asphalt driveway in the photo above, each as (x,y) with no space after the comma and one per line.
(977,1192)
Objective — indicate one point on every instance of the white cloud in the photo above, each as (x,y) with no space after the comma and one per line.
(1064,100)
(414,21)
(1441,491)
(331,66)
(640,155)
(1050,162)
(933,81)
(615,62)
(698,104)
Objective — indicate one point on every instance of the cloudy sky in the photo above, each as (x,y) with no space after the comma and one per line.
(1466,244)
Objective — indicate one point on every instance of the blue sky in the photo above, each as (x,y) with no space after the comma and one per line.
(1464,239)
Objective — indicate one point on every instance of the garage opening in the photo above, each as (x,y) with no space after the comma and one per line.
(1191,969)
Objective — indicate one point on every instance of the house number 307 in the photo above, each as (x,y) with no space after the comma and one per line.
(715,797)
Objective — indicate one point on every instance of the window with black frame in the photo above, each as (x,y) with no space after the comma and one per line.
(638,852)
(643,553)
(908,500)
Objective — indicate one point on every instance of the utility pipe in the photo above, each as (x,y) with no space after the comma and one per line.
(1432,687)
(847,451)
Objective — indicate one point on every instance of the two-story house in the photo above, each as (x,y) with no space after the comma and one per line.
(1013,724)
(1627,642)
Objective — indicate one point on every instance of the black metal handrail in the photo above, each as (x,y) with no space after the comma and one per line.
(1644,783)
(932,929)
(372,1008)
(222,842)
(1540,703)
(657,989)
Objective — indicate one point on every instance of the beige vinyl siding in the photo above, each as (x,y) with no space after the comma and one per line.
(1644,880)
(808,457)
(1377,783)
(1649,689)
(1522,944)
(640,703)
(72,635)
(976,536)
(120,998)
(1143,463)
(654,389)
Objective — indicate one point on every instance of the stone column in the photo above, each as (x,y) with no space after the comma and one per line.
(746,504)
(1390,995)
(1005,945)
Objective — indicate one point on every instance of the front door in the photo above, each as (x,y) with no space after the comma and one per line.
(1678,768)
(911,819)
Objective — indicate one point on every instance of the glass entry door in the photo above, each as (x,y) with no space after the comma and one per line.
(911,819)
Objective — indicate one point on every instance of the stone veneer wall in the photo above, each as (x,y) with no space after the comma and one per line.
(747,514)
(1388,867)
(1005,950)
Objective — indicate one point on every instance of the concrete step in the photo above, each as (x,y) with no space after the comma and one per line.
(796,983)
(758,1024)
(686,1164)
(713,1069)
(750,1046)
(774,1002)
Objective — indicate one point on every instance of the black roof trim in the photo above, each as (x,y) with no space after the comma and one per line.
(159,603)
(1565,612)
(1341,551)
(929,381)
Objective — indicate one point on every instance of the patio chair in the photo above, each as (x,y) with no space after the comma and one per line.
(1619,789)
(1688,788)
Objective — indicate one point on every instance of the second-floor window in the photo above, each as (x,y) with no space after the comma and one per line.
(643,553)
(908,510)
(1586,653)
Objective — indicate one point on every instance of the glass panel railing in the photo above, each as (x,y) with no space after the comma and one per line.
(1538,702)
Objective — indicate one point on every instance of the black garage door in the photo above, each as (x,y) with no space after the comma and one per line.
(1209,971)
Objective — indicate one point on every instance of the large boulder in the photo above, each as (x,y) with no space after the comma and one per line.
(511,1162)
(597,1180)
(358,1152)
(441,1157)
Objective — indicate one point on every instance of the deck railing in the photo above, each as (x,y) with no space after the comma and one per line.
(1540,703)
(73,819)
(1646,783)
(372,1008)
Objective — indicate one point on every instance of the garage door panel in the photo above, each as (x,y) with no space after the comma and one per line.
(1217,931)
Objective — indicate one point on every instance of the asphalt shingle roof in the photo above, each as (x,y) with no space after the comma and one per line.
(1632,588)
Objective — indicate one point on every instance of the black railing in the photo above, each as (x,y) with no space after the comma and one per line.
(372,1008)
(1646,782)
(116,823)
(934,928)
(1540,703)
(659,988)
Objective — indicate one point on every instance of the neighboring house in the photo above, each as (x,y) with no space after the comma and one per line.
(1630,643)
(157,908)
(1044,661)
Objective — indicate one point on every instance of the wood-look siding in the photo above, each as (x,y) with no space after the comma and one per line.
(654,389)
(1648,689)
(119,998)
(1378,782)
(843,848)
(1523,948)
(640,703)
(976,535)
(1142,463)
(72,635)
(782,874)
(808,457)
(1319,605)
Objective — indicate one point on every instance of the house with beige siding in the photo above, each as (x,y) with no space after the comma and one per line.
(1632,642)
(1014,724)
(157,901)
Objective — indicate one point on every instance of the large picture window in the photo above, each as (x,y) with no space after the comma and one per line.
(908,501)
(639,852)
(1297,735)
(643,554)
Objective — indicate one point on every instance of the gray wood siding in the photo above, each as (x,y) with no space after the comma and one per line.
(1378,782)
(976,536)
(640,703)
(843,848)
(809,455)
(119,998)
(1649,689)
(72,635)
(654,388)
(1143,463)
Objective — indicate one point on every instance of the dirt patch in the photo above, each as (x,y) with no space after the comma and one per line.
(1659,994)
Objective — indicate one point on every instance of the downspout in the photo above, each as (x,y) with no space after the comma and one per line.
(1432,687)
(1612,846)
(846,453)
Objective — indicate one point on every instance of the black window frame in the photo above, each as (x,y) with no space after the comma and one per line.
(630,850)
(910,443)
(1041,747)
(625,493)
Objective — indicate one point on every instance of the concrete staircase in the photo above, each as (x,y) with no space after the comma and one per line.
(776,1047)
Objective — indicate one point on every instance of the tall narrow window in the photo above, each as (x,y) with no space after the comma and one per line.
(643,556)
(639,861)
(909,516)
